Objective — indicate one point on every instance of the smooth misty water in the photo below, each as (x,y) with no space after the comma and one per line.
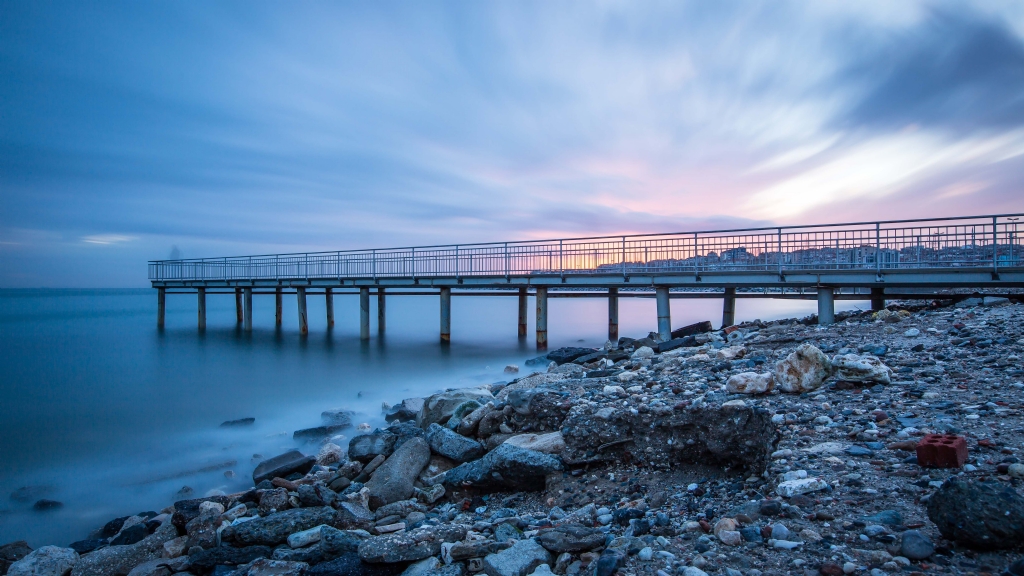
(113,417)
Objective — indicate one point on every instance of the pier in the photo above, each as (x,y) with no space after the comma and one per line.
(874,261)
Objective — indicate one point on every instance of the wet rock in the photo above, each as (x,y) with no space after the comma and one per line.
(318,433)
(406,547)
(393,481)
(280,466)
(352,565)
(854,368)
(805,369)
(120,560)
(609,562)
(440,407)
(337,417)
(274,500)
(915,545)
(132,534)
(237,423)
(86,546)
(750,383)
(274,529)
(335,543)
(568,354)
(45,561)
(44,505)
(12,552)
(984,515)
(405,411)
(519,560)
(453,445)
(469,424)
(457,551)
(316,494)
(551,443)
(227,555)
(571,538)
(506,466)
(366,447)
(268,567)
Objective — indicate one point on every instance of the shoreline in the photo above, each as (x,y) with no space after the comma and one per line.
(621,452)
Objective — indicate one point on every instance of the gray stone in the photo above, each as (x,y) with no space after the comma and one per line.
(227,555)
(568,354)
(519,560)
(452,444)
(352,565)
(440,407)
(335,543)
(337,417)
(274,529)
(916,546)
(318,433)
(406,547)
(984,515)
(506,466)
(393,480)
(120,560)
(283,465)
(45,561)
(366,447)
(268,567)
(506,531)
(805,369)
(423,567)
(570,538)
(854,368)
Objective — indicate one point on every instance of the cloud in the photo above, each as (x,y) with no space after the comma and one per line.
(107,239)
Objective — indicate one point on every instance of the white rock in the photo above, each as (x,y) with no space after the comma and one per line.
(643,352)
(750,383)
(615,390)
(867,368)
(826,448)
(45,561)
(730,537)
(210,508)
(805,369)
(731,353)
(305,538)
(1016,470)
(912,333)
(784,544)
(784,453)
(778,418)
(694,571)
(542,570)
(329,454)
(795,475)
(626,376)
(791,488)
(422,567)
(734,404)
(646,554)
(551,443)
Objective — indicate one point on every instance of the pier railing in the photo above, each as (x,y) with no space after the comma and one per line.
(979,242)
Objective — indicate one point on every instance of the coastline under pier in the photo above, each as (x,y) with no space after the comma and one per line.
(874,261)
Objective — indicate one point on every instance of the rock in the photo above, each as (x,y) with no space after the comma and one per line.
(239,422)
(406,411)
(854,368)
(912,333)
(276,500)
(226,555)
(305,537)
(915,545)
(886,517)
(45,561)
(730,537)
(614,390)
(642,352)
(519,560)
(568,354)
(731,353)
(352,565)
(453,445)
(393,480)
(1015,470)
(408,546)
(507,466)
(440,407)
(750,383)
(45,504)
(337,417)
(274,529)
(85,546)
(334,542)
(160,567)
(984,515)
(120,560)
(456,551)
(609,562)
(366,447)
(329,454)
(283,465)
(791,488)
(805,369)
(570,538)
(268,567)
(542,570)
(693,571)
(423,567)
(551,443)
(470,423)
(14,551)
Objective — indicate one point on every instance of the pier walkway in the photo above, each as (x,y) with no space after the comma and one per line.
(863,260)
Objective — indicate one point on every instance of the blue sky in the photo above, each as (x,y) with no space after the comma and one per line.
(221,128)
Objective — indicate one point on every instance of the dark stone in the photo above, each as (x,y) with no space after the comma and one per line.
(609,562)
(274,529)
(221,555)
(130,535)
(394,479)
(505,467)
(983,515)
(44,504)
(886,517)
(622,516)
(687,341)
(184,512)
(316,494)
(770,507)
(11,553)
(405,431)
(335,543)
(351,565)
(692,329)
(409,546)
(568,354)
(751,534)
(110,529)
(239,422)
(337,417)
(1017,568)
(86,546)
(283,465)
(915,545)
(368,446)
(859,451)
(318,433)
(452,444)
(570,538)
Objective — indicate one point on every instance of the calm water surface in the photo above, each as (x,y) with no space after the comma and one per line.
(103,412)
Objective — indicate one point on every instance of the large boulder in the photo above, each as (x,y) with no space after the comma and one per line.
(205,560)
(440,407)
(393,480)
(983,515)
(45,561)
(408,546)
(505,467)
(750,383)
(280,466)
(275,529)
(120,560)
(519,560)
(452,444)
(805,369)
(854,368)
(366,447)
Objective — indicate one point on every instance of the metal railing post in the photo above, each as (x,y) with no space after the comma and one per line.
(623,257)
(780,250)
(456,262)
(878,248)
(373,263)
(561,266)
(506,261)
(995,247)
(414,264)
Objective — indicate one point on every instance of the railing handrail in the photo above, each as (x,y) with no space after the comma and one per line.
(616,238)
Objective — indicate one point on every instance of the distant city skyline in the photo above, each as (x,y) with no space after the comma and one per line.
(138,131)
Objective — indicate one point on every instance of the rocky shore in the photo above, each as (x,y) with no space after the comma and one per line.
(764,448)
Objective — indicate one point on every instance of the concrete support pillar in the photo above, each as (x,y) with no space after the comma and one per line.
(238,306)
(300,299)
(542,317)
(329,295)
(446,314)
(247,309)
(664,313)
(278,313)
(878,299)
(161,306)
(826,305)
(202,308)
(729,307)
(381,308)
(522,312)
(364,313)
(613,314)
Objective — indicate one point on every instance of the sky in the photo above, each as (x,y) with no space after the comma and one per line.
(132,131)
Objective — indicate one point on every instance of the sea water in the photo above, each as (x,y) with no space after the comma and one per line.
(106,414)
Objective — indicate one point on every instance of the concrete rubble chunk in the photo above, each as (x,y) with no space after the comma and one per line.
(804,370)
(854,368)
(409,546)
(45,561)
(274,529)
(750,383)
(791,488)
(115,560)
(506,466)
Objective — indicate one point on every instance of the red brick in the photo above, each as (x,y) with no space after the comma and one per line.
(942,451)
